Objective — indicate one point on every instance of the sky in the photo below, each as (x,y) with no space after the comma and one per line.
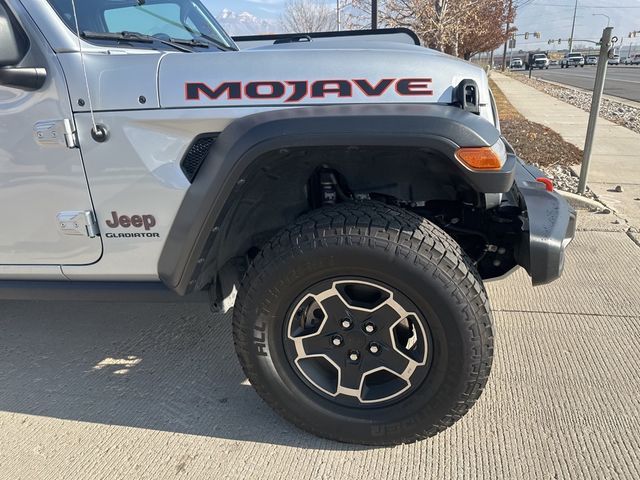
(552,18)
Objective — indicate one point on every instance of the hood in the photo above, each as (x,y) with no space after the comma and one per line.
(308,73)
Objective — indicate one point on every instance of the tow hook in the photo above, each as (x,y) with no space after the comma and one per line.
(546,182)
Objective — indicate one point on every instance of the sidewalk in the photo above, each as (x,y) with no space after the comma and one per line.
(616,151)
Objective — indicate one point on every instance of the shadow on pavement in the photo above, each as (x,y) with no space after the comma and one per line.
(161,367)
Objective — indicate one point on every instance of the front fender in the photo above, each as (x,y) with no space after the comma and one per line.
(440,128)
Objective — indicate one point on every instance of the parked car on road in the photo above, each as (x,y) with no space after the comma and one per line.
(516,63)
(615,60)
(633,59)
(591,60)
(537,60)
(572,60)
(553,63)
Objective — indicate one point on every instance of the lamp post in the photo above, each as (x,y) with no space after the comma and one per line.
(573,27)
(506,42)
(602,15)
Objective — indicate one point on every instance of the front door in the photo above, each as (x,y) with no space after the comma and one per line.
(41,170)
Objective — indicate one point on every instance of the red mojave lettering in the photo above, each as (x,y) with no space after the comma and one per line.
(297,90)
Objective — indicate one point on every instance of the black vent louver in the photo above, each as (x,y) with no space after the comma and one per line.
(197,154)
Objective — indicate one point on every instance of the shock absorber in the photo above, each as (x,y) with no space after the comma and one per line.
(328,184)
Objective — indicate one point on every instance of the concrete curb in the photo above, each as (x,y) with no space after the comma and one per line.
(580,202)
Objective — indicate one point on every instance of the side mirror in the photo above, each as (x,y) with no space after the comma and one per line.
(13,43)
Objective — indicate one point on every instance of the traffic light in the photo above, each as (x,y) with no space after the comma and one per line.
(526,36)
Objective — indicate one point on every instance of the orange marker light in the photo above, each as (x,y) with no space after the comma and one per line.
(479,158)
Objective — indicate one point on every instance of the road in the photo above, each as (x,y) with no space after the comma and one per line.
(139,391)
(622,81)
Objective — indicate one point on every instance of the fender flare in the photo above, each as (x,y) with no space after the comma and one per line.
(443,128)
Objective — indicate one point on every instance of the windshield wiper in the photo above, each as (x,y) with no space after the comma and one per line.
(191,43)
(217,43)
(133,37)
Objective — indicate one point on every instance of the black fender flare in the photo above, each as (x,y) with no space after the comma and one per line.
(443,128)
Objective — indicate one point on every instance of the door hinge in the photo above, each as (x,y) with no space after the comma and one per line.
(56,133)
(78,223)
(70,136)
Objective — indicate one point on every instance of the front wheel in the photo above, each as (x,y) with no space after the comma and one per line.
(365,323)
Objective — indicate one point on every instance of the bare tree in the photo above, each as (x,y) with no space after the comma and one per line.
(308,16)
(457,27)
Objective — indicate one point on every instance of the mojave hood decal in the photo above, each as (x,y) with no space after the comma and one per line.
(310,77)
(292,91)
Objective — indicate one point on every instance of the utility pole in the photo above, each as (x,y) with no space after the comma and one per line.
(573,27)
(506,41)
(338,14)
(598,88)
(374,14)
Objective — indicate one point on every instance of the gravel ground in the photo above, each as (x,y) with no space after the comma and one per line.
(564,179)
(539,145)
(616,112)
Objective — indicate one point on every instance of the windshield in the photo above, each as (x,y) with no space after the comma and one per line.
(186,20)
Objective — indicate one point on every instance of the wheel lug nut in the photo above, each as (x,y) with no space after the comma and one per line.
(369,327)
(374,348)
(354,356)
(346,323)
(336,340)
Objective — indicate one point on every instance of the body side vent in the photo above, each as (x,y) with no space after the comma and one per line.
(197,154)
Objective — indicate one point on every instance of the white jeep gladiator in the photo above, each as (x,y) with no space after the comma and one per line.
(351,191)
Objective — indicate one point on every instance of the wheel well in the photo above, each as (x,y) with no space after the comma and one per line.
(288,183)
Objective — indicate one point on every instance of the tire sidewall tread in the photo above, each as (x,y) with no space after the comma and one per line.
(409,244)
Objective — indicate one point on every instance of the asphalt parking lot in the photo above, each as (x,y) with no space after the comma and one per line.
(622,81)
(116,391)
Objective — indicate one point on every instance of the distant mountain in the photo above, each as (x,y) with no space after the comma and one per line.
(244,23)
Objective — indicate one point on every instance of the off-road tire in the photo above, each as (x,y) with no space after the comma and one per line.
(393,247)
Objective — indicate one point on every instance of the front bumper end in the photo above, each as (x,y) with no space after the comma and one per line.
(549,224)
